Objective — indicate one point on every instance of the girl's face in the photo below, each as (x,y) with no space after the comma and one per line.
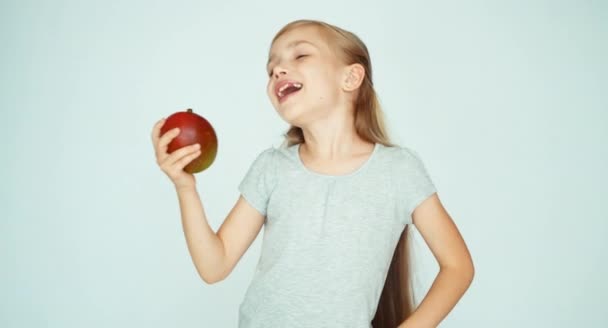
(304,76)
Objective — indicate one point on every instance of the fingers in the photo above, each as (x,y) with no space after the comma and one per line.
(156,131)
(172,164)
(163,144)
(184,154)
(182,162)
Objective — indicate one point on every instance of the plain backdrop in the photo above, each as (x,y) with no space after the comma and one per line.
(505,101)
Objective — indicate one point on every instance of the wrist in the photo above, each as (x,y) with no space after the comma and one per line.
(187,188)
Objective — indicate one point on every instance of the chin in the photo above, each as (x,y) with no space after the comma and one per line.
(288,114)
(300,117)
(291,114)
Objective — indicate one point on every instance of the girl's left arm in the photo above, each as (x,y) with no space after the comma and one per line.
(456,269)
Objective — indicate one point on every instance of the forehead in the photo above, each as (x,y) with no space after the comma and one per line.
(300,35)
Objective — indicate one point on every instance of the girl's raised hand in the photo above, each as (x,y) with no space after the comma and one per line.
(173,164)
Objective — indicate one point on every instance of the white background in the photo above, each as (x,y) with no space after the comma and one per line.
(505,101)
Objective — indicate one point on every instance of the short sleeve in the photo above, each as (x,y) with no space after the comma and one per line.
(415,183)
(256,184)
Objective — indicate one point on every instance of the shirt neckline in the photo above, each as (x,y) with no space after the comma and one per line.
(360,169)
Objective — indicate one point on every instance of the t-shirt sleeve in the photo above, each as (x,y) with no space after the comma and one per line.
(415,181)
(257,182)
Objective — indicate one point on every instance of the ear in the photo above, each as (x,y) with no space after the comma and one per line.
(353,77)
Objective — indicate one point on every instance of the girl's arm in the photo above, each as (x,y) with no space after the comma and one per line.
(216,254)
(456,266)
(205,247)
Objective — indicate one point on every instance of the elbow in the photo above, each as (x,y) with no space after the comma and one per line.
(464,270)
(210,282)
(469,272)
(471,269)
(206,277)
(212,279)
(207,281)
(212,274)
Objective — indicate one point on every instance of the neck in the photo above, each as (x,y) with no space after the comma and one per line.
(333,138)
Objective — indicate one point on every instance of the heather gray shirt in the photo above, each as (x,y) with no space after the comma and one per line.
(328,240)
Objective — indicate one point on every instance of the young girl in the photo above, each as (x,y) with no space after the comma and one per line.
(335,199)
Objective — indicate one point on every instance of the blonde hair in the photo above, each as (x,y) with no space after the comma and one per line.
(396,300)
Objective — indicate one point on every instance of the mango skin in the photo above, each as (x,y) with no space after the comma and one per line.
(193,129)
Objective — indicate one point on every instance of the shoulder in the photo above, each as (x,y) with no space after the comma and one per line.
(260,160)
(403,155)
(408,166)
(266,154)
(269,159)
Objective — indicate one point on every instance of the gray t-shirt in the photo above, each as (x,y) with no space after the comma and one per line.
(328,240)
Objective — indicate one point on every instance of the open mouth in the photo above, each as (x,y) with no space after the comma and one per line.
(288,89)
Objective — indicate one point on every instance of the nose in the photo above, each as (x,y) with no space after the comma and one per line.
(278,71)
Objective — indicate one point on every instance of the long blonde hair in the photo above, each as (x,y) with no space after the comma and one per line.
(396,300)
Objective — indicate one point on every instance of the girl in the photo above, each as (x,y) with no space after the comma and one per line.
(335,198)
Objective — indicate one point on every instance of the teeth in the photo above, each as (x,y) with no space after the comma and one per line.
(297,85)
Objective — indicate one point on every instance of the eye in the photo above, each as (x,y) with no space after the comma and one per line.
(297,57)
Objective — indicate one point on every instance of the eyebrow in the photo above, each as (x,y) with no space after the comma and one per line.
(290,45)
